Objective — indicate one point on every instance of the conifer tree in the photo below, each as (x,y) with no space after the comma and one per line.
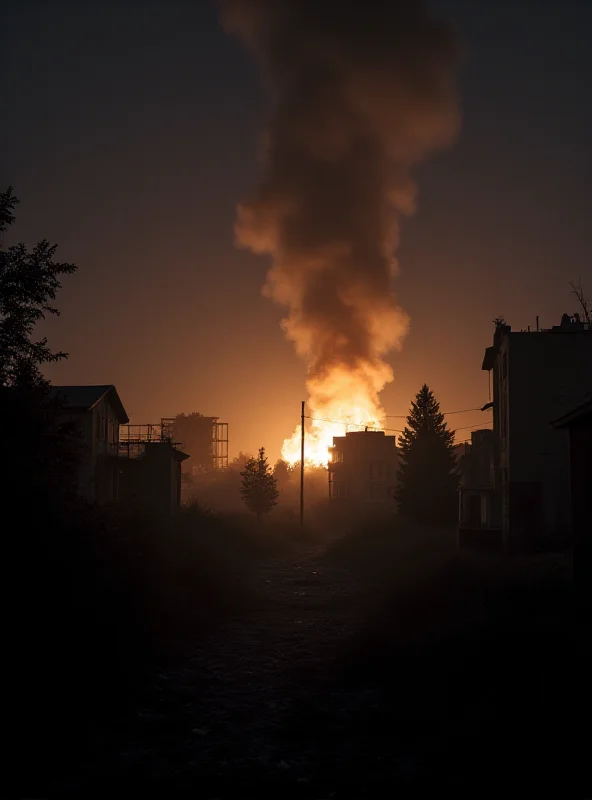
(427,479)
(259,487)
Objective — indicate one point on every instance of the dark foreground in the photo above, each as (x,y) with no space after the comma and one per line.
(295,698)
(244,712)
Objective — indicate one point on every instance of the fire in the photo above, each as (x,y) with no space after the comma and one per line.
(358,102)
(344,400)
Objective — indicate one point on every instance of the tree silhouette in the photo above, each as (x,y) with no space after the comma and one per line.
(42,454)
(29,281)
(258,488)
(427,479)
(283,474)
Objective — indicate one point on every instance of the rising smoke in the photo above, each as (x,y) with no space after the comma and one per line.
(362,91)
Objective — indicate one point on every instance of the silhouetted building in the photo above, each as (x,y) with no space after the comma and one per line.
(150,475)
(479,512)
(537,377)
(97,412)
(363,469)
(578,422)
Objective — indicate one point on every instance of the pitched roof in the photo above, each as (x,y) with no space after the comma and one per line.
(84,398)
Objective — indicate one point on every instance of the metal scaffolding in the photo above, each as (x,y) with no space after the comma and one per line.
(208,450)
(220,444)
(134,438)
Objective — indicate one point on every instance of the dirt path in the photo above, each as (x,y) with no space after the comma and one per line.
(252,708)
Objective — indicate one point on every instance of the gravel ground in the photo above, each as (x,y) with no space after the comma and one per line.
(254,707)
(259,710)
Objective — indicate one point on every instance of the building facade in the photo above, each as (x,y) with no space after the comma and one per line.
(479,511)
(363,469)
(578,423)
(536,377)
(97,412)
(150,476)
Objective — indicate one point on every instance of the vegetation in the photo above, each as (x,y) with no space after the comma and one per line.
(194,432)
(578,290)
(40,448)
(29,281)
(428,481)
(259,488)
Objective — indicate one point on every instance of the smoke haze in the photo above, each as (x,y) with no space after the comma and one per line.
(361,93)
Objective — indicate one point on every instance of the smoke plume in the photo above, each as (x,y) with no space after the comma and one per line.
(361,93)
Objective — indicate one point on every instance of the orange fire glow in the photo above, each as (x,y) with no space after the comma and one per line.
(345,400)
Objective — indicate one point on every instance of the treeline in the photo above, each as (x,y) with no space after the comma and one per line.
(221,489)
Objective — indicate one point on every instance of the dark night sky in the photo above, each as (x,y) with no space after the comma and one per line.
(130,133)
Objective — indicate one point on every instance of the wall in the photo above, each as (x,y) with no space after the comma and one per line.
(83,420)
(152,481)
(547,374)
(105,439)
(367,471)
(581,492)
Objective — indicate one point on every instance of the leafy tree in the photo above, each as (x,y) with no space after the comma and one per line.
(283,474)
(427,479)
(29,281)
(241,460)
(258,488)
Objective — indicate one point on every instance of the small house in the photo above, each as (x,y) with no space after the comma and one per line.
(97,413)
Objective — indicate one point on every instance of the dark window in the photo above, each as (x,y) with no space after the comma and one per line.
(338,489)
(113,432)
(376,490)
(377,470)
(475,510)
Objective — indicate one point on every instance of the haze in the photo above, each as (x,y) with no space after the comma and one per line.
(136,134)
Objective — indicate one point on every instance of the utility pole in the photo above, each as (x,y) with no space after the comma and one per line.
(302,467)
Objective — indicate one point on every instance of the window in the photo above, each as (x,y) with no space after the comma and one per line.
(113,432)
(338,489)
(337,457)
(377,470)
(376,491)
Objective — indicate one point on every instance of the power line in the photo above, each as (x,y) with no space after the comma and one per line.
(444,413)
(476,425)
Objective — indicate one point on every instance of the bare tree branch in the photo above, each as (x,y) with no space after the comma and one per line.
(578,290)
